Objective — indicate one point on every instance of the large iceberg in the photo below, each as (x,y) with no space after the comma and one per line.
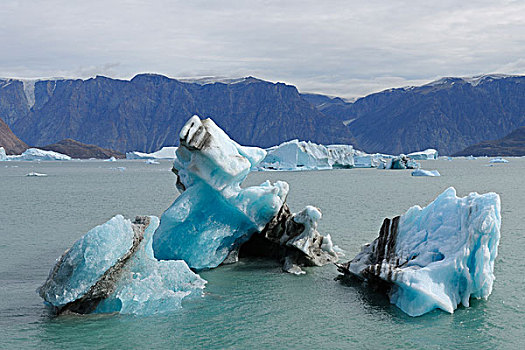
(302,155)
(213,217)
(163,153)
(435,257)
(38,154)
(112,269)
(424,155)
(3,155)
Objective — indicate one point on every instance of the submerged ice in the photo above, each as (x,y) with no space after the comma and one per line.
(435,257)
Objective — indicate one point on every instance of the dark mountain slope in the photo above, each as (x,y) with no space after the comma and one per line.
(79,150)
(448,115)
(511,145)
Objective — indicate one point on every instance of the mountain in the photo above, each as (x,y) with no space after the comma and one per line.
(448,114)
(147,112)
(511,145)
(8,140)
(331,106)
(79,150)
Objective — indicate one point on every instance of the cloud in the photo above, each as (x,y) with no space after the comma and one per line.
(345,48)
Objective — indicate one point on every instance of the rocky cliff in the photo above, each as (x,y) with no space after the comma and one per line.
(8,140)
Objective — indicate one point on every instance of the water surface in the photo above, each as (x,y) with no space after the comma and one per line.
(252,304)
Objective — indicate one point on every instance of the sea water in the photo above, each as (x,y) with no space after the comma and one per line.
(252,304)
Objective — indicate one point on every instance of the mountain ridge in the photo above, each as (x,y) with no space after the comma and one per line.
(146,112)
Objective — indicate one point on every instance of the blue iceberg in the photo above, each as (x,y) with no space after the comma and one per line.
(435,257)
(147,285)
(112,269)
(214,216)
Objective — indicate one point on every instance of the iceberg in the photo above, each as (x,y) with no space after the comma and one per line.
(376,160)
(111,159)
(38,154)
(302,155)
(3,155)
(435,257)
(399,162)
(213,217)
(424,155)
(35,174)
(421,172)
(112,269)
(163,153)
(498,160)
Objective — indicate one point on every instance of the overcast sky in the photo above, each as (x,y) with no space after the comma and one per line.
(344,48)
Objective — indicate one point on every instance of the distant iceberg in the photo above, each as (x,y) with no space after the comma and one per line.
(112,269)
(3,155)
(306,155)
(111,159)
(34,174)
(36,154)
(365,160)
(435,257)
(498,160)
(399,162)
(421,172)
(163,153)
(424,155)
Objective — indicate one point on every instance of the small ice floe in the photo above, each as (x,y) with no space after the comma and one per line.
(120,168)
(36,174)
(151,161)
(498,160)
(421,172)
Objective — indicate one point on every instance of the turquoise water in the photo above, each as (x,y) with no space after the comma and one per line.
(252,304)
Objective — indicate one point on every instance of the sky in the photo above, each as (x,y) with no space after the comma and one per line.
(339,48)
